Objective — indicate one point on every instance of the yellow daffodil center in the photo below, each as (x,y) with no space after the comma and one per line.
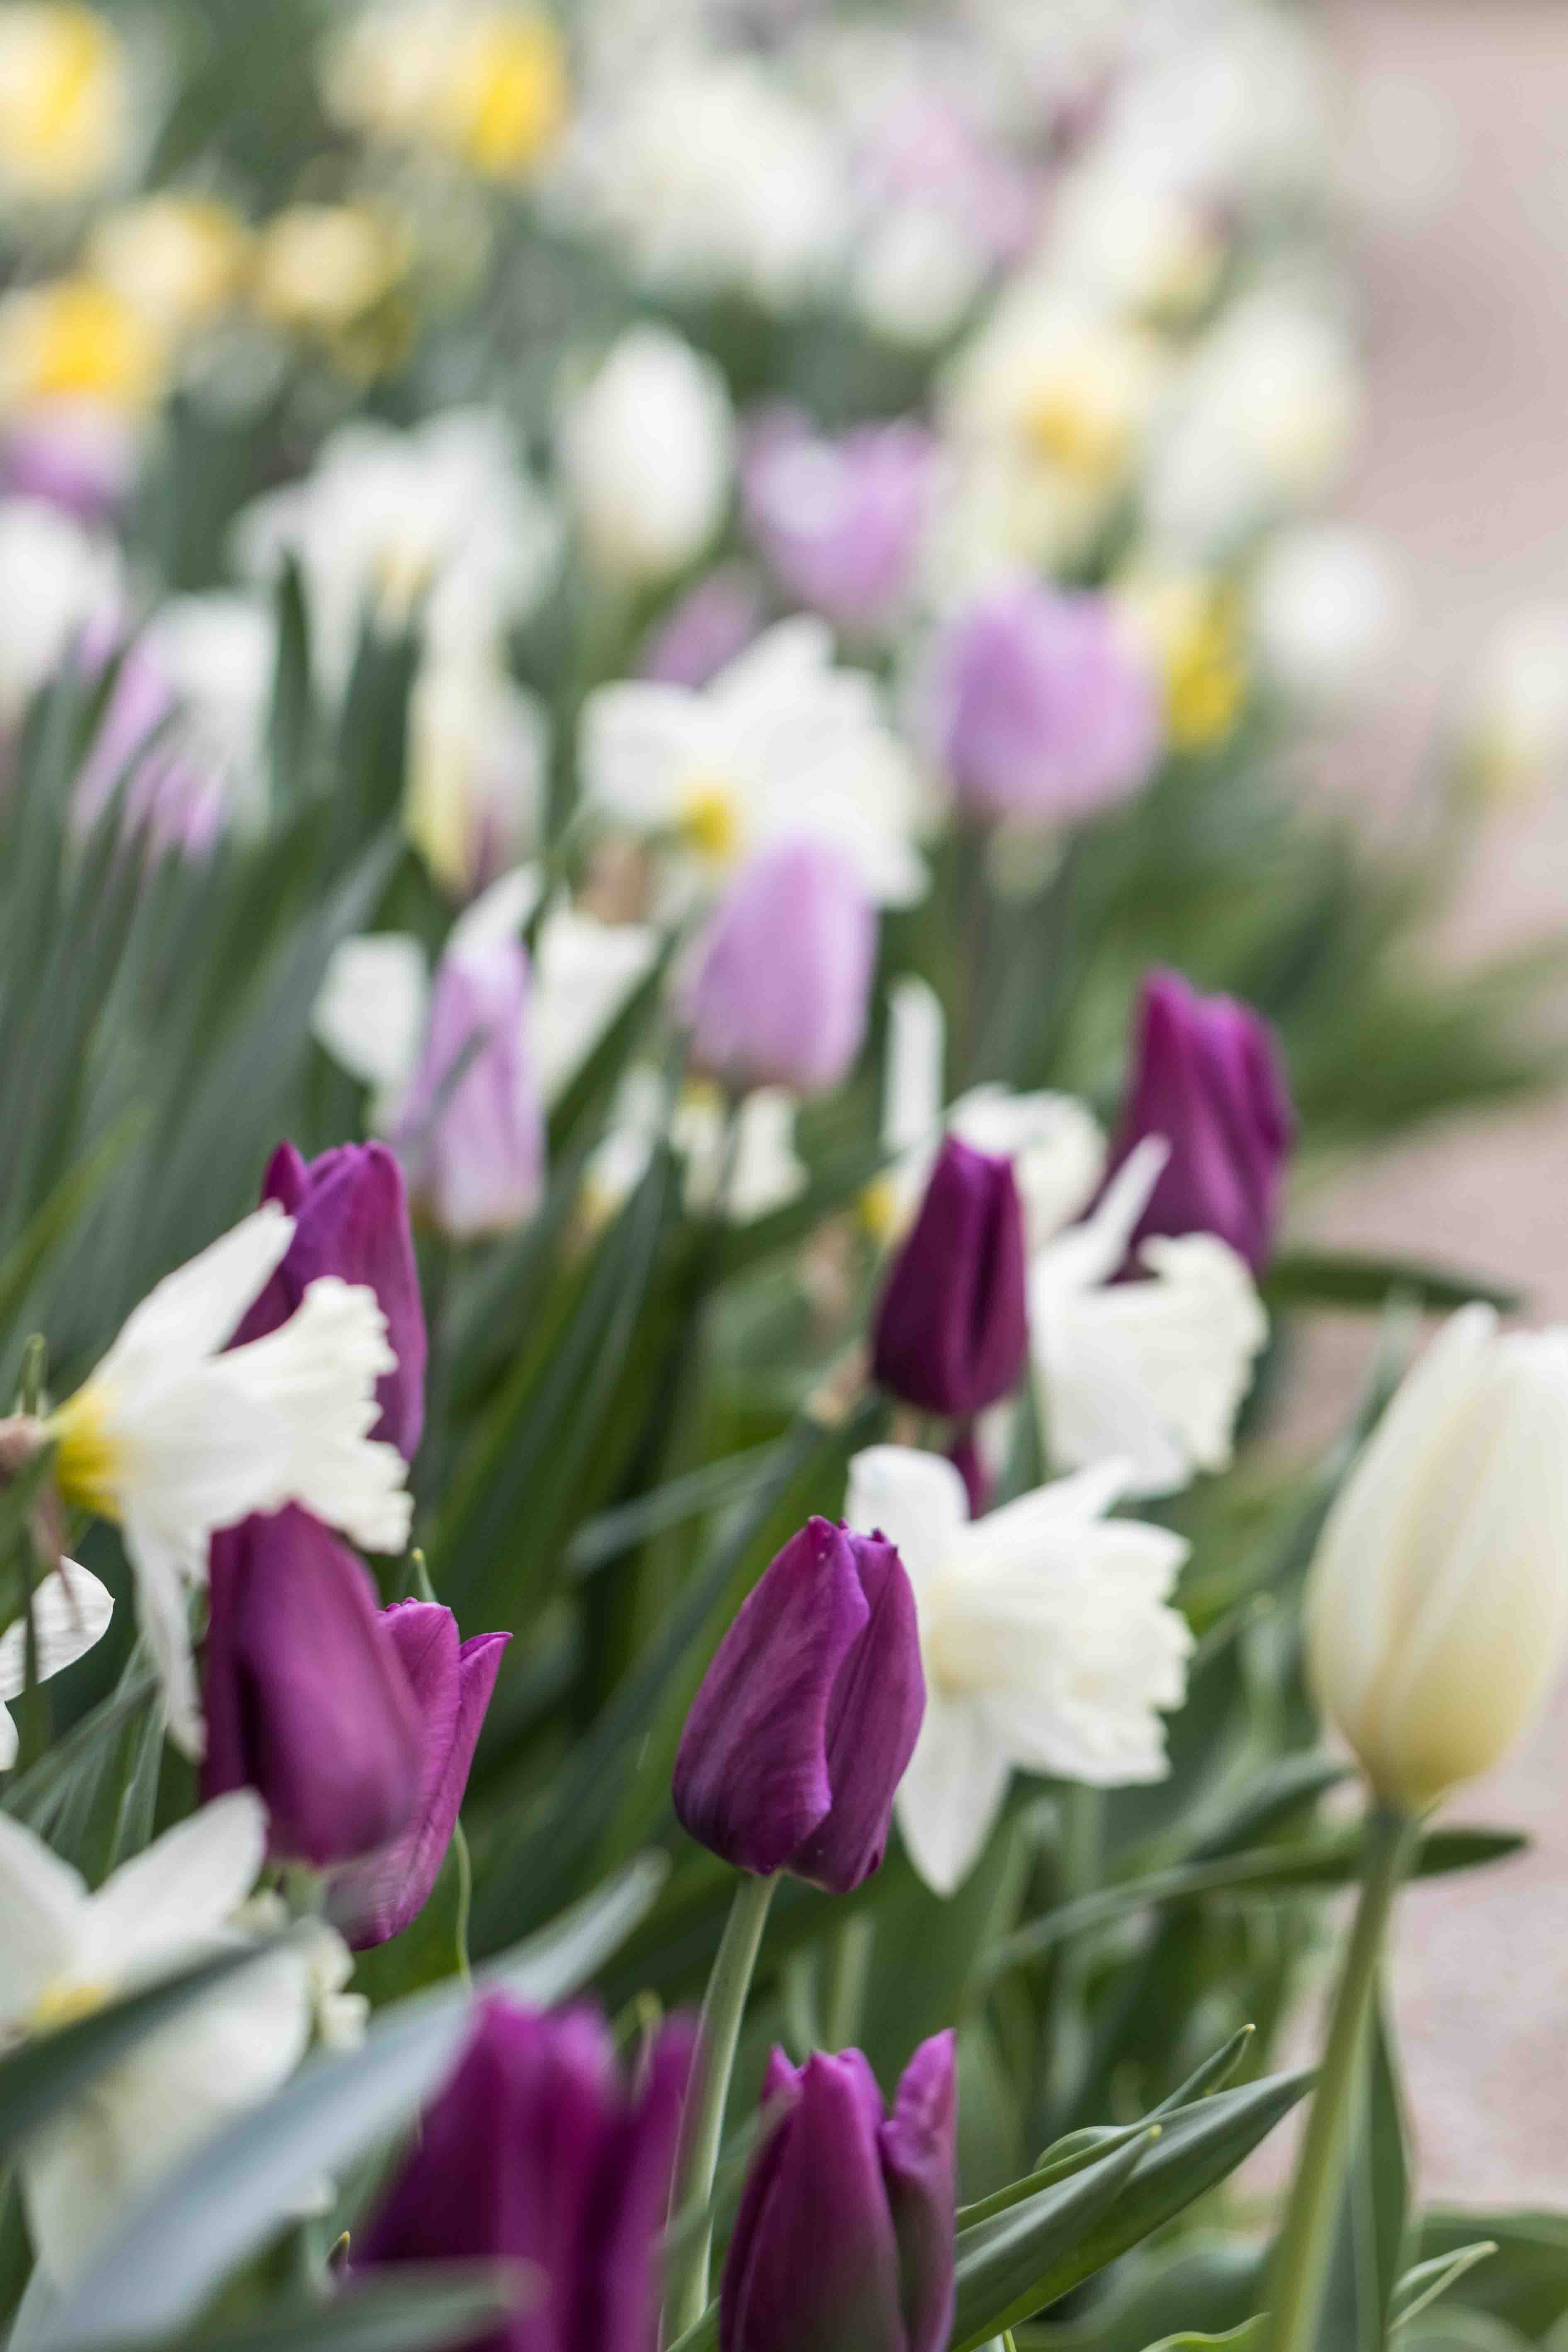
(87,1459)
(879,1209)
(64,2004)
(76,339)
(507,99)
(1078,433)
(711,819)
(1192,630)
(62,100)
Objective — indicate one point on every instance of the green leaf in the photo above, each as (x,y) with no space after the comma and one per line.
(420,2307)
(1429,2281)
(1335,1859)
(1252,2331)
(1195,2148)
(1345,1278)
(1526,2280)
(433,1946)
(715,1484)
(62,1211)
(1004,2262)
(560,1957)
(1364,2261)
(50,2068)
(41,1794)
(106,1815)
(1456,2327)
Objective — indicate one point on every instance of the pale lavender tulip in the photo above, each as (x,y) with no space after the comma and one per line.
(841,521)
(1038,709)
(778,987)
(471,1131)
(75,455)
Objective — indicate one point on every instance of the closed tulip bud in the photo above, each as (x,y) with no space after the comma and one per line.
(804,1722)
(1206,1076)
(536,2152)
(471,1131)
(779,985)
(845,2239)
(451,1682)
(306,1697)
(952,1328)
(1436,1609)
(350,1219)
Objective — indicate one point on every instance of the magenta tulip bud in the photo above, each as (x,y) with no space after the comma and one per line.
(808,1715)
(350,1219)
(305,1696)
(1207,1075)
(378,1896)
(1038,709)
(845,2236)
(705,629)
(952,1332)
(536,2152)
(778,987)
(841,521)
(471,1132)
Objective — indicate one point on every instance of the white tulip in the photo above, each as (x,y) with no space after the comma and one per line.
(70,1611)
(1437,1610)
(648,452)
(174,1435)
(781,745)
(67,1952)
(1148,1373)
(1047,1637)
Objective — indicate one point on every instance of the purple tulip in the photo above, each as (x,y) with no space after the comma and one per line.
(778,987)
(840,521)
(1207,1075)
(377,1896)
(951,1332)
(171,799)
(1038,709)
(845,2239)
(705,629)
(535,2152)
(350,1219)
(471,1134)
(805,1720)
(306,1697)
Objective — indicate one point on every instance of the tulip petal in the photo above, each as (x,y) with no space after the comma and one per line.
(820,2263)
(873,1720)
(920,2160)
(752,1779)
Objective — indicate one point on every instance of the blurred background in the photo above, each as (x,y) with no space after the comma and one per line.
(1460,171)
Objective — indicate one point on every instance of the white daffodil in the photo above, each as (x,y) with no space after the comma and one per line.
(1047,1637)
(1055,1144)
(56,579)
(479,753)
(370,1015)
(67,1952)
(439,524)
(72,1611)
(764,1171)
(781,745)
(1149,1373)
(173,1437)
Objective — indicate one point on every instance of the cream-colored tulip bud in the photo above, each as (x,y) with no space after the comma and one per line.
(1438,1605)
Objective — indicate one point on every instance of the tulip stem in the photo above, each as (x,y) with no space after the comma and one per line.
(703,2125)
(1301,2251)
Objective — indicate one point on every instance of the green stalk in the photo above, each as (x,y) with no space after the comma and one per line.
(1301,2252)
(697,2154)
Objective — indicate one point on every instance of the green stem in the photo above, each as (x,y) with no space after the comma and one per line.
(702,2126)
(1301,2252)
(850,1951)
